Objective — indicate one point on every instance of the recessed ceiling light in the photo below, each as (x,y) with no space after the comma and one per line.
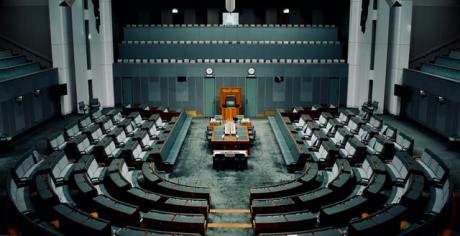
(286,10)
(174,11)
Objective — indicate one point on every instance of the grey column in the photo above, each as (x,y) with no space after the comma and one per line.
(61,53)
(79,51)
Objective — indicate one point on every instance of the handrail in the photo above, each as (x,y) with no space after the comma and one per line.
(45,60)
(436,51)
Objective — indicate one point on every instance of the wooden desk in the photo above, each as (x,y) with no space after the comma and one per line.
(220,141)
(229,112)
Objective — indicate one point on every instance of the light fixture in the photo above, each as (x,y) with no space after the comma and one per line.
(422,93)
(37,92)
(286,10)
(89,36)
(251,72)
(174,11)
(209,72)
(279,79)
(19,99)
(442,100)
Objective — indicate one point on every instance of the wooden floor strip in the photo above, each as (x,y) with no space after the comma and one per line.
(230,211)
(230,225)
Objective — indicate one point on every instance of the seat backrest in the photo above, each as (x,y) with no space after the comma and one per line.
(354,123)
(23,166)
(350,148)
(56,140)
(137,151)
(59,163)
(117,117)
(96,115)
(138,119)
(437,166)
(343,118)
(72,130)
(159,121)
(363,134)
(301,122)
(83,145)
(375,122)
(97,133)
(324,118)
(323,151)
(399,166)
(121,137)
(404,141)
(145,140)
(84,122)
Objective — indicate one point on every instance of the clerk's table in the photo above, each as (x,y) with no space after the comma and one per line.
(230,136)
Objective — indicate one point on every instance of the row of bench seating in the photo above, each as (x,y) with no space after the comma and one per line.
(232,42)
(81,193)
(445,66)
(15,71)
(233,61)
(9,61)
(219,25)
(110,135)
(348,136)
(377,189)
(381,186)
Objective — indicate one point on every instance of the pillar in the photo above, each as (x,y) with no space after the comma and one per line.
(79,52)
(60,49)
(399,50)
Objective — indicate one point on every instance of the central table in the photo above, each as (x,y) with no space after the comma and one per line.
(230,137)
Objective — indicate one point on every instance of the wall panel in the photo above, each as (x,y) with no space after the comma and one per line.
(304,84)
(427,110)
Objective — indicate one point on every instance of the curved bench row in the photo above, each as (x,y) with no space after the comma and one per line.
(386,184)
(97,193)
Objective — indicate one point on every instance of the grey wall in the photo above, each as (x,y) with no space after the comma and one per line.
(428,111)
(15,117)
(304,85)
(27,22)
(434,22)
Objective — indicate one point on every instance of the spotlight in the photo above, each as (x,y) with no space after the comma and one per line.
(174,11)
(286,10)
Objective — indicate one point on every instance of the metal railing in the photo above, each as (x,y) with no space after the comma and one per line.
(31,54)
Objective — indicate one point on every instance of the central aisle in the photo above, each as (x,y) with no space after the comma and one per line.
(230,213)
(230,188)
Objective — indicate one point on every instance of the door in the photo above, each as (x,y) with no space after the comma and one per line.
(251,97)
(334,91)
(209,96)
(127,91)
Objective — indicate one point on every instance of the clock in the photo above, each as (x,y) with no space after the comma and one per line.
(251,71)
(209,71)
